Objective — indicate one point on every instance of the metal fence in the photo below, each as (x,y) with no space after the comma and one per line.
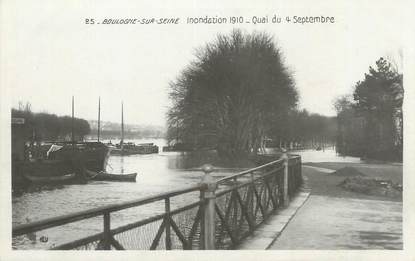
(225,212)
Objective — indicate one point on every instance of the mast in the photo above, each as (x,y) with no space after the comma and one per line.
(122,126)
(72,125)
(99,116)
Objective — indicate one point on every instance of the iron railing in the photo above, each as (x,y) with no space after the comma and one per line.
(222,214)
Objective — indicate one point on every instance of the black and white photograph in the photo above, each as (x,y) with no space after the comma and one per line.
(238,130)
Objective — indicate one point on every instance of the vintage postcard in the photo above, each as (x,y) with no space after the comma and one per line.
(276,130)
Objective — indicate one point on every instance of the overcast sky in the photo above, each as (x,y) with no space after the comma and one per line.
(52,54)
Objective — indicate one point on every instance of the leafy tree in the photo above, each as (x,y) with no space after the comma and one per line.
(376,94)
(376,101)
(350,131)
(343,104)
(232,94)
(377,108)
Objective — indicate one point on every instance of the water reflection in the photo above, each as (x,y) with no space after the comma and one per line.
(122,164)
(19,191)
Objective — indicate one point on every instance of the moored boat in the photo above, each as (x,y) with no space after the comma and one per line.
(56,165)
(130,148)
(116,177)
(102,176)
(93,154)
(40,160)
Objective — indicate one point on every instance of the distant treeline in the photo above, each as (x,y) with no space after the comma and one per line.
(114,134)
(112,130)
(371,124)
(304,128)
(298,128)
(45,126)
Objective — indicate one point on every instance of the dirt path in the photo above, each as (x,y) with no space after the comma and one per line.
(386,171)
(325,184)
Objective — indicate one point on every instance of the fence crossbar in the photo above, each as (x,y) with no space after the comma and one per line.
(249,171)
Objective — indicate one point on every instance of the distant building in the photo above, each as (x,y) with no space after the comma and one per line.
(19,138)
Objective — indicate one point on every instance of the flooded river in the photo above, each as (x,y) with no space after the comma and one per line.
(157,173)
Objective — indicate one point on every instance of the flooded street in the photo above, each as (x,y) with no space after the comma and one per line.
(157,173)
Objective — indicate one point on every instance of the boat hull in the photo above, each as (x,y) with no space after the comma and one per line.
(51,179)
(60,164)
(25,172)
(93,155)
(135,151)
(115,177)
(101,176)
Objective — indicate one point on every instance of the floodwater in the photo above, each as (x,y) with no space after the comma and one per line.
(328,155)
(157,173)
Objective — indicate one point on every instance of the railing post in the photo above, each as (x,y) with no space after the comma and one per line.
(202,221)
(208,215)
(107,235)
(285,164)
(167,220)
(300,169)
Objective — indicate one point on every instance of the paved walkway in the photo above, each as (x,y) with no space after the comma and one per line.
(352,221)
(267,233)
(343,223)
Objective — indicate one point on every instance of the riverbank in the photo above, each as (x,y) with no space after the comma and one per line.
(335,218)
